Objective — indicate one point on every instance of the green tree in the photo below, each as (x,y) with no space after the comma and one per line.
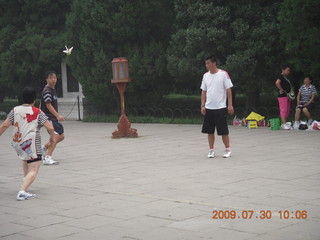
(138,30)
(256,50)
(198,33)
(32,37)
(300,32)
(242,34)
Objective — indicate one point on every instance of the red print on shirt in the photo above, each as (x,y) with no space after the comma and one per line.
(26,144)
(34,116)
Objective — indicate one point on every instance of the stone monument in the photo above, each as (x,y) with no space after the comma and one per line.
(71,104)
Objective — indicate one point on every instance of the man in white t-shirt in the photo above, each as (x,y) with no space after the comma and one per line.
(216,94)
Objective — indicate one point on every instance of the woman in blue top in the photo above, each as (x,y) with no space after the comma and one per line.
(305,101)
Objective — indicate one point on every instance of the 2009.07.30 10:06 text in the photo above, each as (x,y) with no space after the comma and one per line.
(263,214)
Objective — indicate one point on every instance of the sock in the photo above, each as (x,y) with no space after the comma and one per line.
(211,148)
(228,148)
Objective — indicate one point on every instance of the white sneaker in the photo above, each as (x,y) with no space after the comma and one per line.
(211,154)
(285,127)
(296,125)
(22,195)
(227,153)
(49,161)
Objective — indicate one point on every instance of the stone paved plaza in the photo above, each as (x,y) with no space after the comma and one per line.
(161,185)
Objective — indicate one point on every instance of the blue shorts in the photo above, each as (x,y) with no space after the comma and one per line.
(58,128)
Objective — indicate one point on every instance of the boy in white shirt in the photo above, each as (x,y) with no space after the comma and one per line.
(216,90)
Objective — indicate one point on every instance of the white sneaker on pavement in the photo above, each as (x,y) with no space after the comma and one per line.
(227,153)
(22,195)
(49,161)
(285,127)
(296,125)
(211,154)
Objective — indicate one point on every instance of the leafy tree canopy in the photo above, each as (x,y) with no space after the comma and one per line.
(31,40)
(242,34)
(102,30)
(300,30)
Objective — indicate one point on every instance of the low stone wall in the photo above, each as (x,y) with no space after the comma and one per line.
(69,109)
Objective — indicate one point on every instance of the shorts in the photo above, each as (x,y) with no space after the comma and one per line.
(309,107)
(58,128)
(39,158)
(284,106)
(215,118)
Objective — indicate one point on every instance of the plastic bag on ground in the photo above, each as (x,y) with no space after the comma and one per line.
(315,125)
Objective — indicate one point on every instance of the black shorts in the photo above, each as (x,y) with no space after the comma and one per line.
(216,118)
(58,128)
(39,158)
(309,107)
